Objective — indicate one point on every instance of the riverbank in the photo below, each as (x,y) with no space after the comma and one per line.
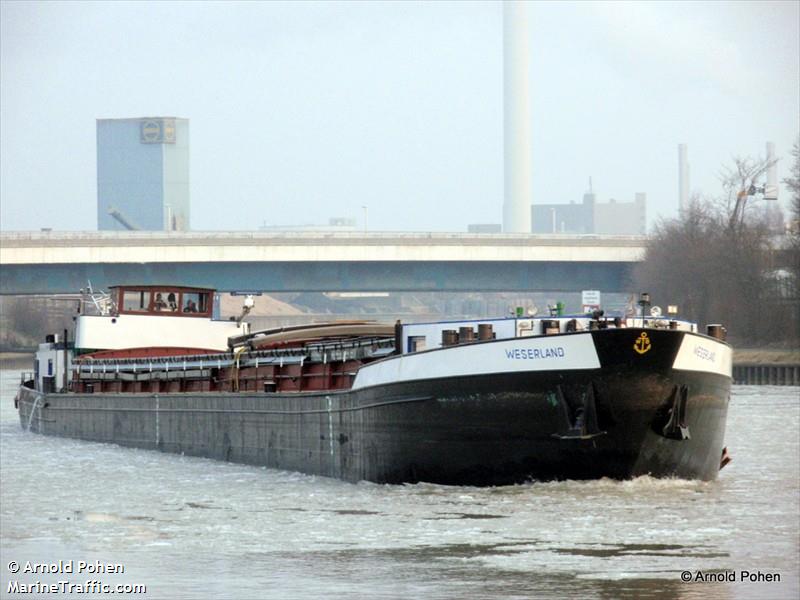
(763,356)
(16,360)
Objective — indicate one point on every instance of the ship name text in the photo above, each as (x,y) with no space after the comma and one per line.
(534,353)
(704,353)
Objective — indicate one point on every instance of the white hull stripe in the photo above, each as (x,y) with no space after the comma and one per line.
(703,354)
(557,353)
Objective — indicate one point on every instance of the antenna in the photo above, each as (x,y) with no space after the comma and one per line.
(102,300)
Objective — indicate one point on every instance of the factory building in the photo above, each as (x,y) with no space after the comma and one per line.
(590,216)
(143,174)
(484,228)
(621,218)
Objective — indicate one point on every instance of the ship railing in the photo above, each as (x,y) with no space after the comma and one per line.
(161,375)
(96,302)
(661,323)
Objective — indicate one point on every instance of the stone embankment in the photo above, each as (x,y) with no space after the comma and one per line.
(766,367)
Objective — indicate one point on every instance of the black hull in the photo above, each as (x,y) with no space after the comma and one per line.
(620,420)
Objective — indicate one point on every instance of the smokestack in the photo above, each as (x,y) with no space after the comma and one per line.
(771,189)
(516,120)
(683,179)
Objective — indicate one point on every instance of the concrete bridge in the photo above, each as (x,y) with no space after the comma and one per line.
(63,262)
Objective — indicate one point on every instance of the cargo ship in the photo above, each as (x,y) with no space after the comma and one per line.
(468,402)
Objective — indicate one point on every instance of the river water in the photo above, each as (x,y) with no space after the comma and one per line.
(194,528)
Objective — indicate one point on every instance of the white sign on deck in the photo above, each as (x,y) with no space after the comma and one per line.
(590,297)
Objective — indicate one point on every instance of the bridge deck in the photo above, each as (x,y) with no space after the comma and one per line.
(125,247)
(62,262)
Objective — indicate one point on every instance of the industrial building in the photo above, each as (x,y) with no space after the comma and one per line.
(590,216)
(484,228)
(143,174)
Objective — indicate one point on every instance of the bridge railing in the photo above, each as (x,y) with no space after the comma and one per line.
(89,238)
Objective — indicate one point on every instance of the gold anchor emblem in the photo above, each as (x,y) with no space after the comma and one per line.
(642,343)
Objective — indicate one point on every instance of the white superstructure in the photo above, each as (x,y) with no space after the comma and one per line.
(153,317)
(147,331)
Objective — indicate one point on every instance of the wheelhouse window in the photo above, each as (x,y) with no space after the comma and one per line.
(195,302)
(135,301)
(416,343)
(173,301)
(166,301)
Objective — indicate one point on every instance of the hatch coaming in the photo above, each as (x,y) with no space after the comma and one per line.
(318,366)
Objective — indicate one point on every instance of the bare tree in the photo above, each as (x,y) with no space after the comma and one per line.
(793,183)
(25,321)
(715,260)
(740,182)
(793,242)
(680,242)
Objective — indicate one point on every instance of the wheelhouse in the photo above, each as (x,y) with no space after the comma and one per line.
(162,300)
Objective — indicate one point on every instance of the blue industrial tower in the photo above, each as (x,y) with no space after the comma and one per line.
(143,174)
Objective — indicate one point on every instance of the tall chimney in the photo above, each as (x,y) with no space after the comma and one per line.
(683,179)
(516,120)
(771,191)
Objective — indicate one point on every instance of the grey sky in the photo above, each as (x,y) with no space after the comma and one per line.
(304,111)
